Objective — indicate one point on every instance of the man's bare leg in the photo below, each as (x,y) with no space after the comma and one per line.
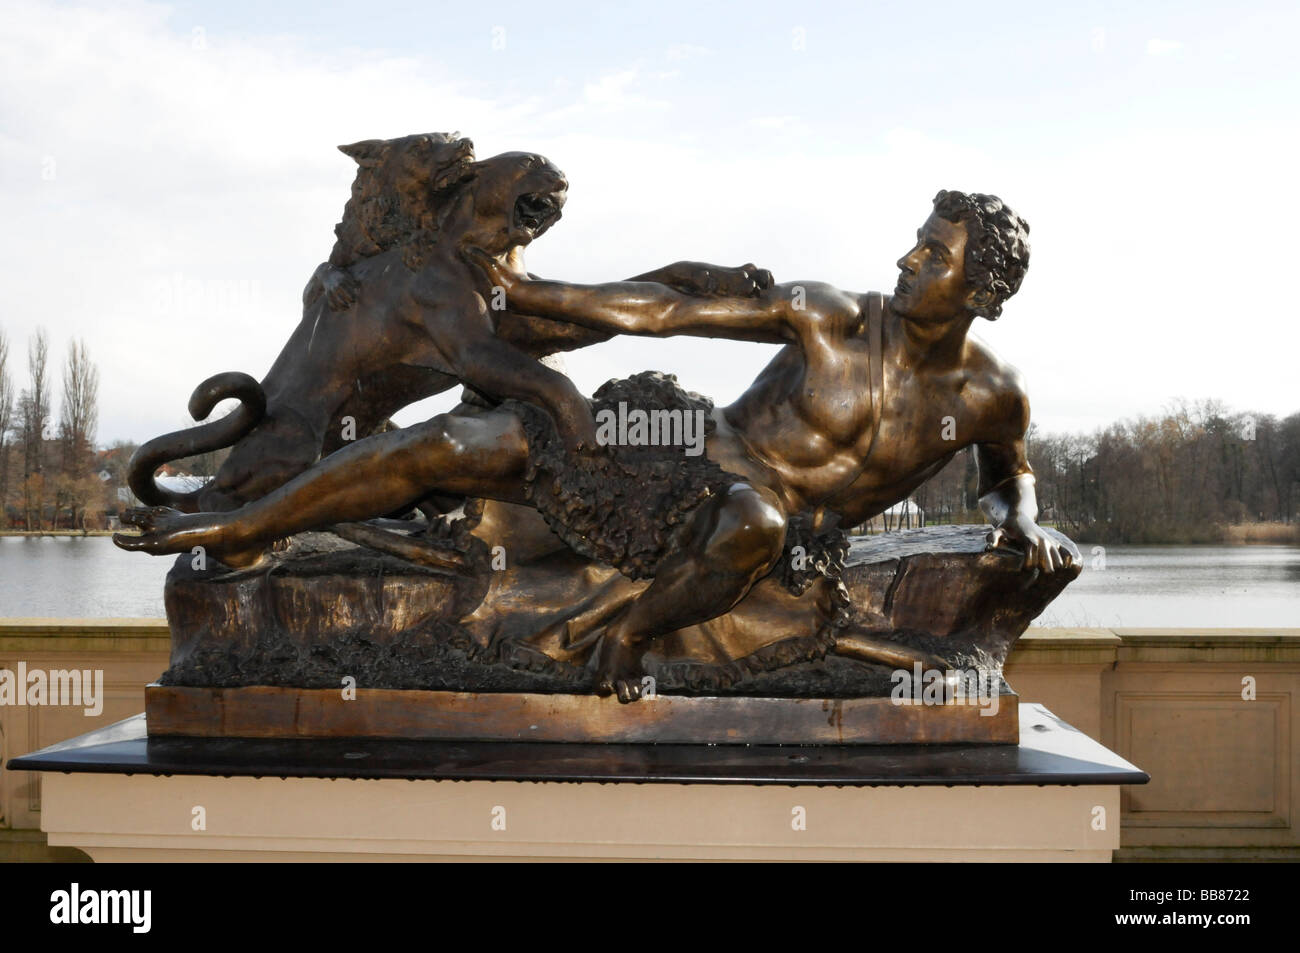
(477,456)
(733,541)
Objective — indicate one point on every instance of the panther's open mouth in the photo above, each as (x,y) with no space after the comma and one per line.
(538,211)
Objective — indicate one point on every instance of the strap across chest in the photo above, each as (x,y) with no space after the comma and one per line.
(876,357)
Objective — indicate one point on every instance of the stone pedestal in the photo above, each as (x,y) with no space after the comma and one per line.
(119,795)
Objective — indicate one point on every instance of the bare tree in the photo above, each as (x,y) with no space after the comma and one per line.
(80,412)
(6,422)
(78,419)
(34,415)
(77,422)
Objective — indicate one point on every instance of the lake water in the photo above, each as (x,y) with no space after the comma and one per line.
(1139,586)
(78,577)
(1185,586)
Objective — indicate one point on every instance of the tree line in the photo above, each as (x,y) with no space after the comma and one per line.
(49,472)
(1193,474)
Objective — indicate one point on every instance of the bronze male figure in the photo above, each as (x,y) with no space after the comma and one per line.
(870,396)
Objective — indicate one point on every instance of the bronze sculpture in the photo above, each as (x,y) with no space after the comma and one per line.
(706,571)
(393,318)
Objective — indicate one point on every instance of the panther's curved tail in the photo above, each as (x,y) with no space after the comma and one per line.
(202,439)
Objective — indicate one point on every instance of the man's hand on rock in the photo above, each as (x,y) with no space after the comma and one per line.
(1041,550)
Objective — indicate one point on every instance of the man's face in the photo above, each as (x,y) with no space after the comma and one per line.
(932,276)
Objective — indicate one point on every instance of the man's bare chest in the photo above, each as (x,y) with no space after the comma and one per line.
(834,396)
(923,420)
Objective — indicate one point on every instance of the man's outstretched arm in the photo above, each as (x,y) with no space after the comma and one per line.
(644,307)
(702,278)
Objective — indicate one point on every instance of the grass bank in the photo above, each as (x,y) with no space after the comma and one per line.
(1279,534)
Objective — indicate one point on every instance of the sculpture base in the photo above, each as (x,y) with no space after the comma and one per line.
(119,795)
(273,712)
(323,610)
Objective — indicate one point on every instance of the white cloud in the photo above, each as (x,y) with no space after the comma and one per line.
(611,89)
(614,91)
(1157,47)
(218,166)
(775,122)
(686,51)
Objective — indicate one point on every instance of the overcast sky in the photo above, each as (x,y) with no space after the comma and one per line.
(169,179)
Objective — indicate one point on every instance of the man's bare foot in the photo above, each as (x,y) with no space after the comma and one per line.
(618,667)
(164,530)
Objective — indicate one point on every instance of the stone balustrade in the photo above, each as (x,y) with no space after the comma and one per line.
(1213,715)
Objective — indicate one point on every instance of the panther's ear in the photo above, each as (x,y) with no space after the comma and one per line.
(454,163)
(454,144)
(367,152)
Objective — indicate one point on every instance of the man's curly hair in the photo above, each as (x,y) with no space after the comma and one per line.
(997,244)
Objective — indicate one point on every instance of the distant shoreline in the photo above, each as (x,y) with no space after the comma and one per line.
(57,532)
